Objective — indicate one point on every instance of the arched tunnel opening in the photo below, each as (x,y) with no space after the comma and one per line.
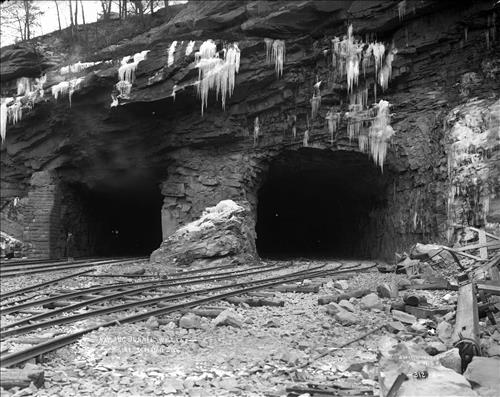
(111,221)
(318,203)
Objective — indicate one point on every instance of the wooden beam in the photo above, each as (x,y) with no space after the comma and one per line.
(21,378)
(476,258)
(483,251)
(467,318)
(493,262)
(490,244)
(486,233)
(492,288)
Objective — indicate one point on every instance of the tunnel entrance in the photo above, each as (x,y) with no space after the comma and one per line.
(113,222)
(319,203)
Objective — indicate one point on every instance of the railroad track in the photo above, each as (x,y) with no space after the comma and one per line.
(18,270)
(9,262)
(236,283)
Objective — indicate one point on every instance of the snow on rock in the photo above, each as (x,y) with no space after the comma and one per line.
(472,131)
(223,231)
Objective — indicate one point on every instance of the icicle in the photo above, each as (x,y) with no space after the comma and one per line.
(127,70)
(487,34)
(174,90)
(316,100)
(189,48)
(216,73)
(256,130)
(386,71)
(363,143)
(114,101)
(401,9)
(466,32)
(39,83)
(171,52)
(279,56)
(66,88)
(378,54)
(379,134)
(78,67)
(333,120)
(15,111)
(24,86)
(60,88)
(352,72)
(3,118)
(269,49)
(367,56)
(305,141)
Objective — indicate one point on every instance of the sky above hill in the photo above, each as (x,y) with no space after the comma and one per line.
(48,21)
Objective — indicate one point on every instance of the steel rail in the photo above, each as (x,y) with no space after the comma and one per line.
(7,331)
(134,291)
(40,285)
(110,287)
(202,270)
(145,302)
(46,347)
(47,261)
(61,268)
(71,263)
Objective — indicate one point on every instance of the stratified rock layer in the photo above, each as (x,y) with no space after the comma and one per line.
(158,137)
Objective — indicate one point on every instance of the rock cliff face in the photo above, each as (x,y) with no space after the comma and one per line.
(156,144)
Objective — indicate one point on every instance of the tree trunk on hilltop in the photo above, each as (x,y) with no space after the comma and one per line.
(83,12)
(27,18)
(70,13)
(76,14)
(58,15)
(139,7)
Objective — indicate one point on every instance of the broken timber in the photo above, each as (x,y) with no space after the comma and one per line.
(466,332)
(21,378)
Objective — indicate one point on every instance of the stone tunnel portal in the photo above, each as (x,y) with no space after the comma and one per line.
(114,222)
(319,203)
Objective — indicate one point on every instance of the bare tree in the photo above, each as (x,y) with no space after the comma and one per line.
(58,15)
(20,16)
(106,9)
(76,14)
(139,9)
(71,13)
(83,12)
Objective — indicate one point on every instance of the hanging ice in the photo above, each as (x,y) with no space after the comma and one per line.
(66,88)
(215,72)
(316,100)
(171,52)
(3,117)
(78,67)
(379,134)
(189,48)
(127,69)
(278,56)
(385,73)
(24,86)
(269,49)
(256,130)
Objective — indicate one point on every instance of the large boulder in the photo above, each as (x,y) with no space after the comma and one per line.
(224,231)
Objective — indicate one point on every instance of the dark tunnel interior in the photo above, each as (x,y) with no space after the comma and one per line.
(115,222)
(317,203)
